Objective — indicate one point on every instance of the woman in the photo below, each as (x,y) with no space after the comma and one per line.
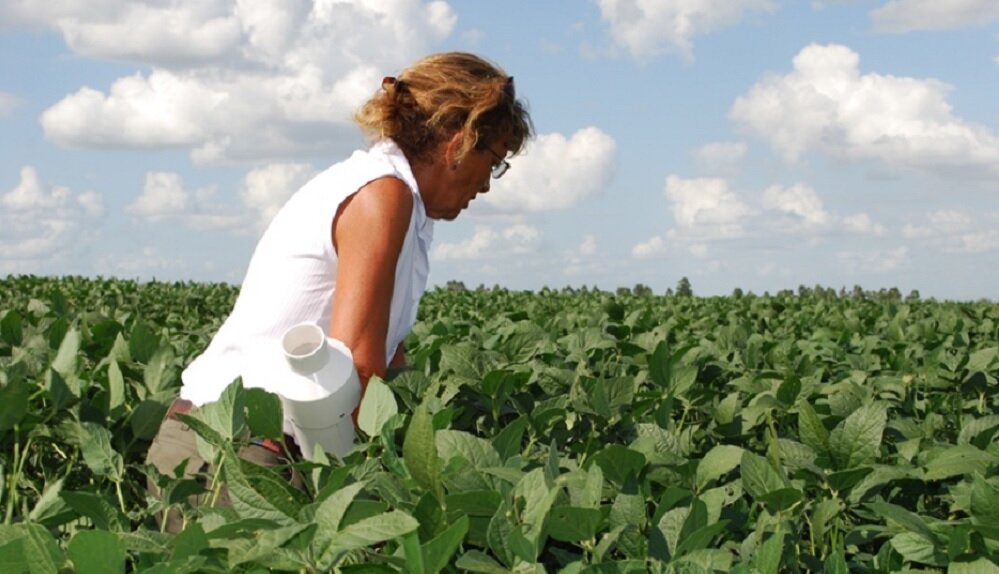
(349,250)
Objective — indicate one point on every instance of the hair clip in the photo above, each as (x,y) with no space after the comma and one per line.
(509,87)
(388,82)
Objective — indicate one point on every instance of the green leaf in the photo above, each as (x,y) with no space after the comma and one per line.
(477,451)
(984,502)
(717,462)
(97,508)
(767,559)
(573,524)
(264,414)
(13,403)
(585,486)
(100,456)
(116,388)
(11,330)
(96,552)
(665,538)
(29,548)
(980,566)
(822,514)
(476,561)
(617,462)
(659,365)
(508,441)
(190,542)
(978,427)
(329,514)
(916,548)
(438,550)
(857,439)
(538,499)
(145,420)
(499,535)
(904,518)
(374,530)
(225,416)
(836,563)
(958,460)
(66,359)
(377,406)
(758,476)
(473,503)
(160,373)
(142,343)
(49,503)
(844,480)
(781,499)
(419,452)
(981,360)
(811,431)
(246,500)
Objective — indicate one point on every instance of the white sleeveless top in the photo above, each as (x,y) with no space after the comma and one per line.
(292,276)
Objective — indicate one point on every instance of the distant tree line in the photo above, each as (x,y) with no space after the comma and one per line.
(685,289)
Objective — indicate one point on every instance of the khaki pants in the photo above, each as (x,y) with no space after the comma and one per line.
(176,442)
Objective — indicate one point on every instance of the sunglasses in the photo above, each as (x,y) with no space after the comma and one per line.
(499,168)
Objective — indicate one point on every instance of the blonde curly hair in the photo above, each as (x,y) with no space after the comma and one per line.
(443,94)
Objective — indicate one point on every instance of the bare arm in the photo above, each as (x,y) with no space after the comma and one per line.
(368,234)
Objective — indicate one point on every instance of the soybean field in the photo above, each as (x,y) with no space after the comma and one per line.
(573,431)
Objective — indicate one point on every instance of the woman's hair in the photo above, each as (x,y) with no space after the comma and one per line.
(443,94)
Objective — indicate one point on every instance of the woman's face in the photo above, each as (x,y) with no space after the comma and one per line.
(466,179)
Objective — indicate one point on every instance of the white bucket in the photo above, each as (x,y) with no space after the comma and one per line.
(322,391)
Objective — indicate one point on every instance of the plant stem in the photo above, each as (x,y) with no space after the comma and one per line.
(121,499)
(15,476)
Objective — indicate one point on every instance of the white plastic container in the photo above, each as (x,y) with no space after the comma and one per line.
(321,390)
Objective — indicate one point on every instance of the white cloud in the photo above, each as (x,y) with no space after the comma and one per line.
(874,260)
(909,15)
(148,262)
(826,104)
(266,189)
(720,157)
(263,192)
(798,200)
(165,199)
(163,196)
(706,210)
(583,259)
(520,239)
(40,223)
(705,206)
(654,247)
(8,103)
(233,79)
(487,244)
(977,242)
(162,110)
(698,250)
(652,27)
(555,173)
(955,231)
(862,224)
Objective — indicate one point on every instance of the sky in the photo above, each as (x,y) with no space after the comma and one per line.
(752,144)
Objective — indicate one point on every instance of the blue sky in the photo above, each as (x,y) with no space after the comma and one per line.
(759,144)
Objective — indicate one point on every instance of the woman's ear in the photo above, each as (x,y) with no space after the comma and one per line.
(452,151)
